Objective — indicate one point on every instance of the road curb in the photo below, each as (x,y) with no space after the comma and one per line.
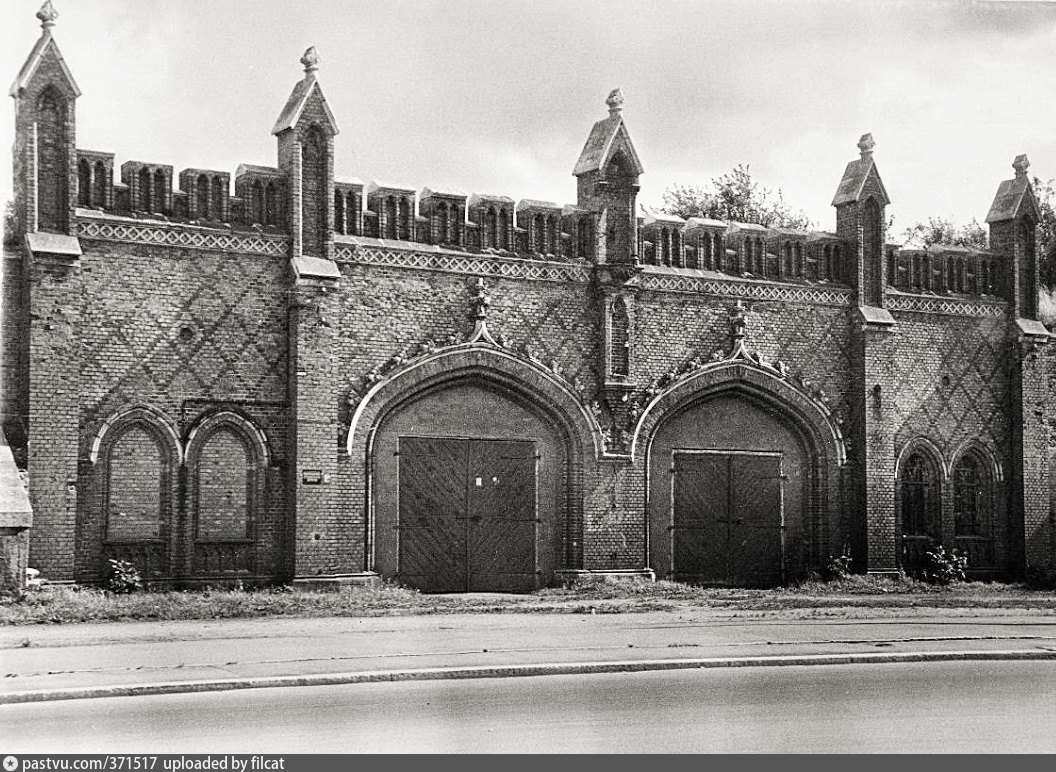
(512,671)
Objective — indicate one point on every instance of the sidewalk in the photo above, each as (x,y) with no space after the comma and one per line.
(90,660)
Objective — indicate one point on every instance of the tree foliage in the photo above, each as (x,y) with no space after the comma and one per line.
(734,196)
(941,231)
(1046,195)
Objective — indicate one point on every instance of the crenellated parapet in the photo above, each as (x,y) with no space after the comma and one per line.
(443,213)
(301,199)
(393,209)
(748,250)
(206,195)
(95,179)
(348,206)
(261,196)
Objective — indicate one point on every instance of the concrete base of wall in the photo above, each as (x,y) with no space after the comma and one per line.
(571,576)
(14,556)
(336,581)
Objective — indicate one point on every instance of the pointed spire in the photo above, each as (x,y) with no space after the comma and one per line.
(852,185)
(303,90)
(47,15)
(615,101)
(866,145)
(310,60)
(1021,164)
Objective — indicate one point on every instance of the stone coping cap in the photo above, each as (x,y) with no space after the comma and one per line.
(309,267)
(376,185)
(571,209)
(15,509)
(747,226)
(348,181)
(660,217)
(1033,328)
(940,249)
(94,153)
(445,192)
(196,171)
(140,164)
(531,203)
(704,222)
(789,232)
(873,315)
(42,242)
(489,198)
(270,171)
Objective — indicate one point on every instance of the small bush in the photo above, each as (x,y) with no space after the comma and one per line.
(837,567)
(942,567)
(123,578)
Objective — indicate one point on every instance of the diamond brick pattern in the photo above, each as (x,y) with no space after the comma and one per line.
(950,306)
(537,270)
(212,331)
(748,290)
(958,393)
(183,236)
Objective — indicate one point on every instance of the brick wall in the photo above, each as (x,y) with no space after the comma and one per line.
(184,332)
(134,484)
(199,339)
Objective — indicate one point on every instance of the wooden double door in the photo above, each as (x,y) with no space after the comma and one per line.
(467,514)
(728,520)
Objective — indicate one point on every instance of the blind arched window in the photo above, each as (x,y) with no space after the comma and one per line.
(971,510)
(620,326)
(920,497)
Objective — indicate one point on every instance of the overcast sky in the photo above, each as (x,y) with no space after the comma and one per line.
(498,97)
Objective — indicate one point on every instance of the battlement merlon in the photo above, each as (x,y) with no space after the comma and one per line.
(601,226)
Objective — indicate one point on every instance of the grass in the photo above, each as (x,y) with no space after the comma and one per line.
(71,604)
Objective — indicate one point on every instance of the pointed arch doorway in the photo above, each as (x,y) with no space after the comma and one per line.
(742,467)
(474,462)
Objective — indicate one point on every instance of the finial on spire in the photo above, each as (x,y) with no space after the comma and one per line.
(47,15)
(615,101)
(1021,164)
(866,145)
(310,60)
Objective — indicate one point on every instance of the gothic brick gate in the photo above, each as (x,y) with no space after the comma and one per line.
(430,435)
(739,483)
(728,519)
(467,514)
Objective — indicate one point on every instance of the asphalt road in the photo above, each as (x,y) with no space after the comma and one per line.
(966,707)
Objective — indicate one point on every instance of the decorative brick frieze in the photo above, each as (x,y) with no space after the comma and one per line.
(458,262)
(669,281)
(928,304)
(163,234)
